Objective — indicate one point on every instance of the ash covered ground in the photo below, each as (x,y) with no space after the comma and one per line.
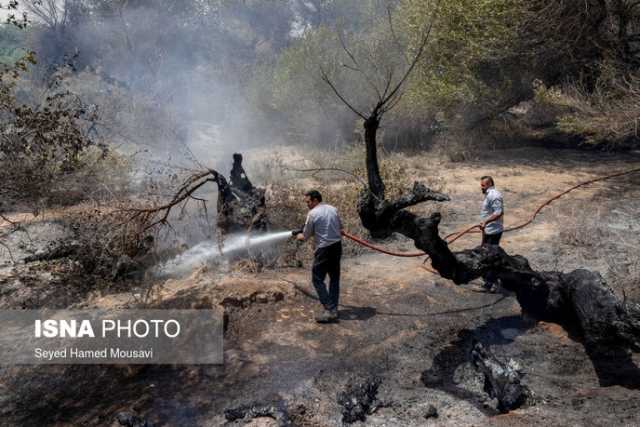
(402,346)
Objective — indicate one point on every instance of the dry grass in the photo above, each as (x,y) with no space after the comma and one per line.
(588,234)
(582,228)
(605,115)
(286,186)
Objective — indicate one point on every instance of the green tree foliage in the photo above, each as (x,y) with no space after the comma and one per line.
(468,59)
(12,44)
(486,54)
(291,90)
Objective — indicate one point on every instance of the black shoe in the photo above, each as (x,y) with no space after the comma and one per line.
(327,316)
(491,287)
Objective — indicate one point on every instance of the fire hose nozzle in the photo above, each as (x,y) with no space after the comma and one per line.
(294,233)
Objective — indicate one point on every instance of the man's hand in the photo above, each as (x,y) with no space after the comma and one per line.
(300,237)
(482,225)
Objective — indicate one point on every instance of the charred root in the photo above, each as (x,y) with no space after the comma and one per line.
(501,380)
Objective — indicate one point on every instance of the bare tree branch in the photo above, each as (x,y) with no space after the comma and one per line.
(327,80)
(416,58)
(191,184)
(395,37)
(368,79)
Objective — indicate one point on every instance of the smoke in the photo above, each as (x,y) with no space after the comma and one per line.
(206,251)
(174,83)
(178,72)
(170,83)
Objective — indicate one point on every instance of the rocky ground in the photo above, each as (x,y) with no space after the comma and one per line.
(402,346)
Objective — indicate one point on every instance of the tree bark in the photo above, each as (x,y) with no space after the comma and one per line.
(376,185)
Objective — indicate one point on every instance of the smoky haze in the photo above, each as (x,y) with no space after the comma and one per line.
(186,84)
(196,79)
(188,63)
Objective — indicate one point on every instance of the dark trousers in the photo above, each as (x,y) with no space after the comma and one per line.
(327,261)
(491,239)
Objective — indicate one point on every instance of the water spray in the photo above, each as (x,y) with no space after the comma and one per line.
(208,250)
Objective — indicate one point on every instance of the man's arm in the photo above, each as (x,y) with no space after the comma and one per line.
(492,218)
(307,231)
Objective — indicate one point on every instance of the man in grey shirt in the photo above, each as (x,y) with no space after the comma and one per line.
(323,223)
(491,224)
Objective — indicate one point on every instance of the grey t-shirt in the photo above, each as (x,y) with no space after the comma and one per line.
(324,224)
(492,204)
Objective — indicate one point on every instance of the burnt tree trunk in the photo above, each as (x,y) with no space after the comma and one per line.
(241,206)
(376,185)
(374,210)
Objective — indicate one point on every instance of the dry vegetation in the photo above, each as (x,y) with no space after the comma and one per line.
(592,237)
(339,175)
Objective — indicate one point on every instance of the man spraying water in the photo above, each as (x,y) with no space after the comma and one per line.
(324,224)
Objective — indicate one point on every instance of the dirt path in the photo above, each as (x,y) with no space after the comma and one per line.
(411,329)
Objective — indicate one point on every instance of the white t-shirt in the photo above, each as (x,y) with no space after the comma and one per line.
(325,225)
(492,204)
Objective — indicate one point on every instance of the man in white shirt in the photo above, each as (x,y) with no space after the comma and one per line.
(323,223)
(491,224)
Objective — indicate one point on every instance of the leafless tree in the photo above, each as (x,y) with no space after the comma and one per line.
(52,13)
(386,82)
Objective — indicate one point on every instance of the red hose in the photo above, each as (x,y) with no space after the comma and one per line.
(379,249)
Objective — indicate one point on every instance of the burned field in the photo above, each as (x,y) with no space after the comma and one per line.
(411,348)
(176,158)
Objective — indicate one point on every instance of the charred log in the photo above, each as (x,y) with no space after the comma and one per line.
(56,251)
(501,380)
(255,410)
(579,300)
(359,399)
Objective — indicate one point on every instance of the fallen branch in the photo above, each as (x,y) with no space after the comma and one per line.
(578,300)
(149,216)
(241,206)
